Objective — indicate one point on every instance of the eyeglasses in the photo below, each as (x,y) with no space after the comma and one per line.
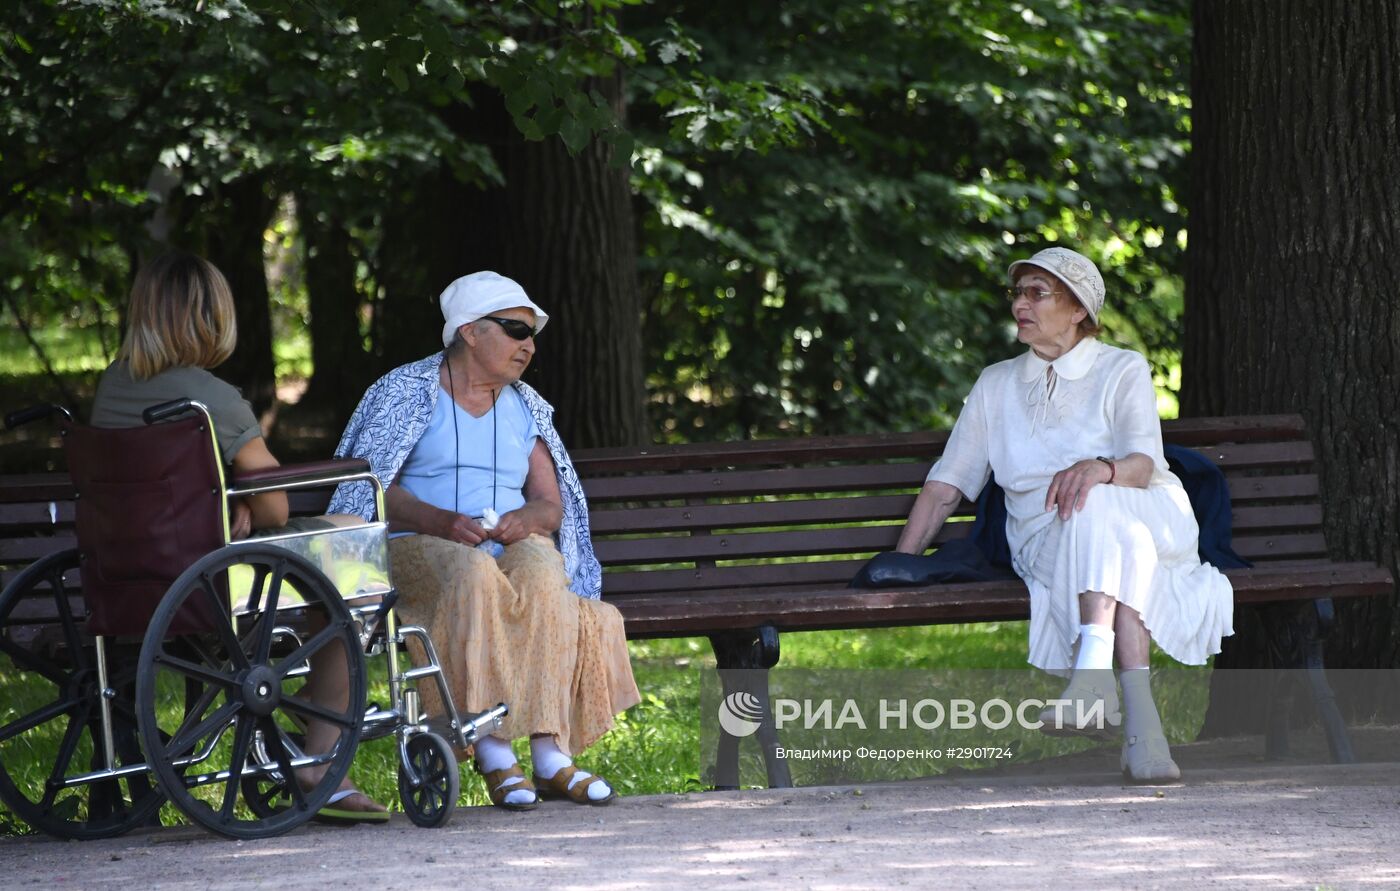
(1034,295)
(514,328)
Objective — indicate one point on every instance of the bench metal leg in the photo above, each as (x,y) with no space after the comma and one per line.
(743,658)
(1298,633)
(1338,740)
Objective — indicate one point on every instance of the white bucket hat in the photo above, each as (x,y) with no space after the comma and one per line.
(1077,271)
(480,294)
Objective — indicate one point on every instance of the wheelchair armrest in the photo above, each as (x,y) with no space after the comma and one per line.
(301,474)
(33,413)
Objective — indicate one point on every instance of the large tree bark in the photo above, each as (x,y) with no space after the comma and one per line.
(562,226)
(1292,301)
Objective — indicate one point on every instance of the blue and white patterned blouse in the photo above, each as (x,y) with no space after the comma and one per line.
(393,415)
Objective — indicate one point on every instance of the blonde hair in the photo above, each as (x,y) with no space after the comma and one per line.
(180,314)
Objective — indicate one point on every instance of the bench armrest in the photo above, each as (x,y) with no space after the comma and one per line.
(310,473)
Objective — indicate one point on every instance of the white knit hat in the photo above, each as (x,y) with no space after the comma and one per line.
(480,294)
(1077,271)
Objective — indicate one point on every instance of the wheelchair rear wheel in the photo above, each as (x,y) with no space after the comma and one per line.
(206,759)
(50,721)
(431,803)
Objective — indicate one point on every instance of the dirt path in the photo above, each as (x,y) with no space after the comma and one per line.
(1253,826)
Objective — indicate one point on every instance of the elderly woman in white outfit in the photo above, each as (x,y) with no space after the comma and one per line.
(1100,530)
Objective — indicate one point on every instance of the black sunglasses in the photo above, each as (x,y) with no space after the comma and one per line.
(514,328)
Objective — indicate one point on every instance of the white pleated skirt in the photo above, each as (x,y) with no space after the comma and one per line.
(1138,546)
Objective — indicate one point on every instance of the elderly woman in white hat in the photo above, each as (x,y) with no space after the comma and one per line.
(489,542)
(1099,529)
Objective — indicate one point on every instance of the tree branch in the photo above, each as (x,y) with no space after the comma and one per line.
(67,396)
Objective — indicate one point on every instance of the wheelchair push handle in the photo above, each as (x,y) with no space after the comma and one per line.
(167,410)
(33,413)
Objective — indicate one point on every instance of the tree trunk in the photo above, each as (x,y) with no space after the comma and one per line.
(422,225)
(1291,299)
(234,239)
(338,357)
(563,227)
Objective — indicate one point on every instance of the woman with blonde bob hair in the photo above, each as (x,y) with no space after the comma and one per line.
(181,314)
(180,324)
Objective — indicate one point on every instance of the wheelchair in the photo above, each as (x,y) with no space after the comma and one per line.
(158,660)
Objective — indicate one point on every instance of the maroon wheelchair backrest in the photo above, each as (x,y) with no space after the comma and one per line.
(148,503)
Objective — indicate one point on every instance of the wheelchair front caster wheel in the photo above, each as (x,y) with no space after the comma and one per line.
(432,801)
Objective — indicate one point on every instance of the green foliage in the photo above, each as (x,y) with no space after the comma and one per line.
(850,280)
(124,124)
(830,190)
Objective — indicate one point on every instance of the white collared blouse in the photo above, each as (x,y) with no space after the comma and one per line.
(1026,419)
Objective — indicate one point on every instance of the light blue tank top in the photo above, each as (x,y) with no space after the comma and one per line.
(428,472)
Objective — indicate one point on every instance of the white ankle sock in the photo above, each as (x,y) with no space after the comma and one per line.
(549,760)
(494,753)
(1140,716)
(1095,648)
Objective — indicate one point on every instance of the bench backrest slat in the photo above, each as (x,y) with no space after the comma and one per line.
(860,477)
(775,481)
(1264,548)
(884,446)
(754,514)
(30,548)
(35,516)
(1246,489)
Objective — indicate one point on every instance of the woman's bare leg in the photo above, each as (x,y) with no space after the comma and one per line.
(1096,608)
(328,687)
(1131,642)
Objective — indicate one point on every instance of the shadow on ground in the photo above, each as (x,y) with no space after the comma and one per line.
(1236,821)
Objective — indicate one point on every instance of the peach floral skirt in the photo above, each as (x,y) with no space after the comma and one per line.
(511,631)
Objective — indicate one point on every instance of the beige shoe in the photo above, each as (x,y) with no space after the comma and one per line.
(1148,761)
(1092,708)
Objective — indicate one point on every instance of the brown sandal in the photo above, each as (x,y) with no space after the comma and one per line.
(498,792)
(557,786)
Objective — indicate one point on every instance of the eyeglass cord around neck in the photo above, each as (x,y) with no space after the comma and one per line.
(457,445)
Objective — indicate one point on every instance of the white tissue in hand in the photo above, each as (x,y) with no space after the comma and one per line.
(489,520)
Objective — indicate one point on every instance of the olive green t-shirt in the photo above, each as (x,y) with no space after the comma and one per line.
(121,399)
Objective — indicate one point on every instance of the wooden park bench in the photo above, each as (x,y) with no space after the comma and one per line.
(741,541)
(701,539)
